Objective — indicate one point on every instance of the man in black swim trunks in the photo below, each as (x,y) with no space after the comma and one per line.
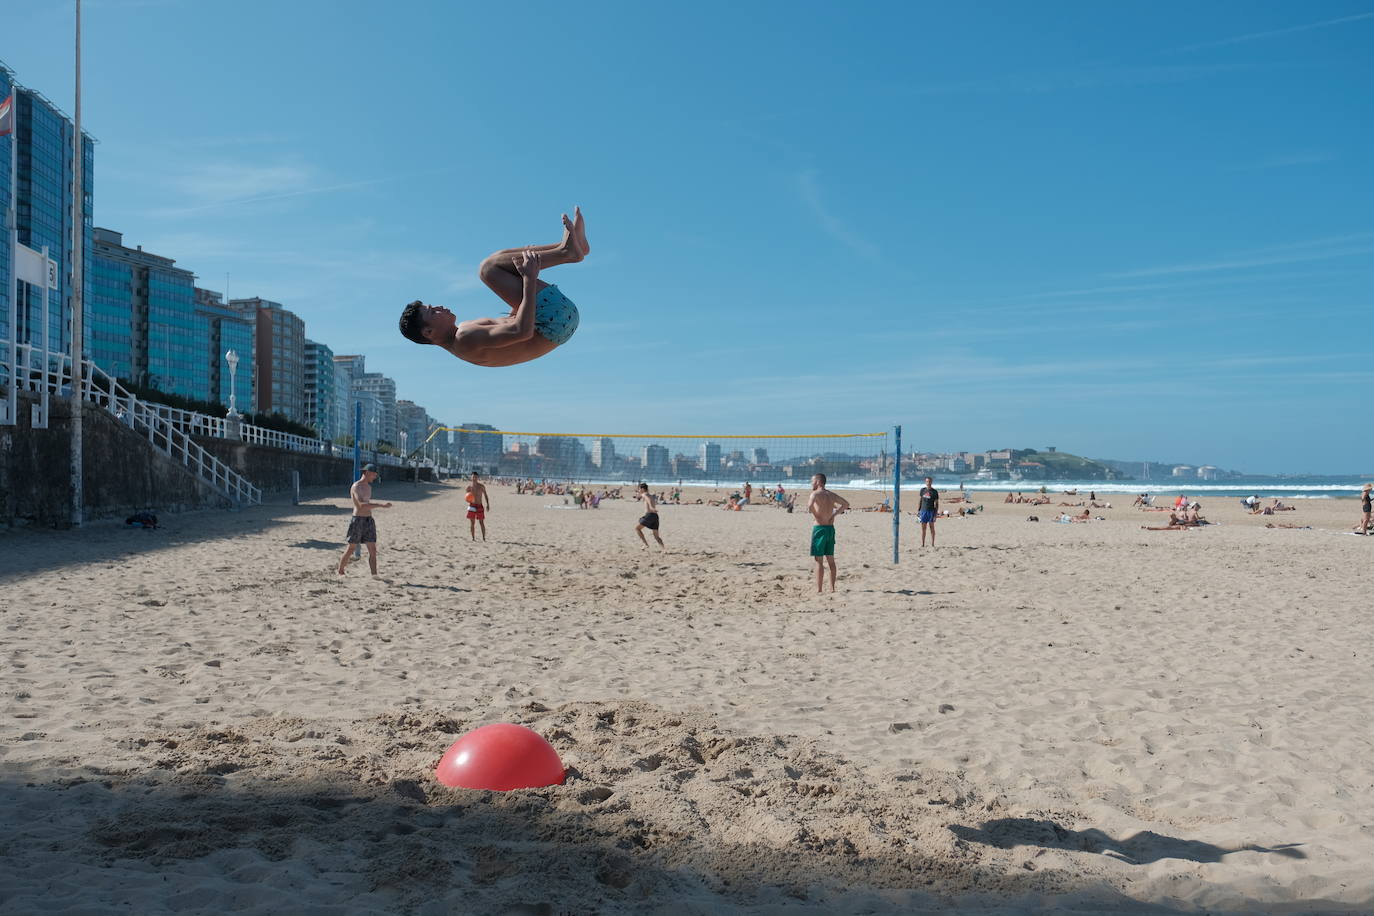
(929,510)
(650,518)
(362,528)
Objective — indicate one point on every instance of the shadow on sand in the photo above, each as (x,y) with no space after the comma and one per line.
(1138,849)
(184,841)
(31,550)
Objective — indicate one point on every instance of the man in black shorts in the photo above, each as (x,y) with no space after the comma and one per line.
(650,518)
(930,508)
(362,528)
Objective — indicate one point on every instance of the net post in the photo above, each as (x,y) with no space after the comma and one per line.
(897,494)
(357,456)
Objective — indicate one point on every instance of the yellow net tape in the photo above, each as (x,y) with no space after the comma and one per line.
(501,432)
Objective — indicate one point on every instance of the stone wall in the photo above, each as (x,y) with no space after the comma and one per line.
(270,468)
(122,472)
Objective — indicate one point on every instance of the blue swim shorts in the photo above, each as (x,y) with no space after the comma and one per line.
(555,316)
(927,516)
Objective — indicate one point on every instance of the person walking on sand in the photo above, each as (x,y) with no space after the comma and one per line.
(1365,508)
(362,529)
(824,506)
(541,318)
(650,517)
(479,504)
(929,510)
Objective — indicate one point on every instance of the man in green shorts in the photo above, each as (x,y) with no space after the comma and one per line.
(824,506)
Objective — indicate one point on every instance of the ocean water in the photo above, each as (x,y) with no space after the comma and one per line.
(1235,487)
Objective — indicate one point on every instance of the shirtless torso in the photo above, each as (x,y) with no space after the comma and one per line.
(825,505)
(362,499)
(472,343)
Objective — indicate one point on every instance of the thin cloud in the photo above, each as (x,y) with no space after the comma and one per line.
(214,182)
(835,227)
(1294,253)
(1088,77)
(1270,33)
(1290,160)
(224,182)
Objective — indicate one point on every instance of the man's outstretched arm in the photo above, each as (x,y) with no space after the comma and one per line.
(518,327)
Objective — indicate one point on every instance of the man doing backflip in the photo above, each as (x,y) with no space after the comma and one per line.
(479,504)
(541,319)
(824,506)
(650,518)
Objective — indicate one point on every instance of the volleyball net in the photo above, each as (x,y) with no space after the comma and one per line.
(849,461)
(863,461)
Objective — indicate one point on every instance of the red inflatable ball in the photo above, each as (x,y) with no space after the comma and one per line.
(500,757)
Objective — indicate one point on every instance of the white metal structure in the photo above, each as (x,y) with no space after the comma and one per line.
(51,373)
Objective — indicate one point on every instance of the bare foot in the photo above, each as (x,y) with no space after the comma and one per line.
(575,234)
(568,244)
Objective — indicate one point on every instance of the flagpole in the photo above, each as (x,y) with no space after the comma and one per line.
(13,218)
(78,279)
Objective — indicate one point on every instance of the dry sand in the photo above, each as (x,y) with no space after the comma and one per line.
(1087,717)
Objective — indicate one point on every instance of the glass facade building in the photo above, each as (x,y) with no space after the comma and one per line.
(142,323)
(322,406)
(40,193)
(109,316)
(226,330)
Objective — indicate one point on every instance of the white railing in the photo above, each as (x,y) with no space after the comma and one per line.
(53,377)
(185,422)
(199,424)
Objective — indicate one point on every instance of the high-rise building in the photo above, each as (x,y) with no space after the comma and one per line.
(371,416)
(378,385)
(414,421)
(322,407)
(343,395)
(384,390)
(759,456)
(684,467)
(40,193)
(603,454)
(355,364)
(654,459)
(148,298)
(710,459)
(279,358)
(480,448)
(226,330)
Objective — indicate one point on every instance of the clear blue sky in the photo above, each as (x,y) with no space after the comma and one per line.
(1128,230)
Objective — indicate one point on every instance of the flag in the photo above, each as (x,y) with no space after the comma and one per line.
(7,115)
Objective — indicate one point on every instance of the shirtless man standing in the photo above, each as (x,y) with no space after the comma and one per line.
(824,506)
(650,518)
(929,511)
(479,504)
(361,528)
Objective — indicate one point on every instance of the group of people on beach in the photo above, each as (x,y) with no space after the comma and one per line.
(823,504)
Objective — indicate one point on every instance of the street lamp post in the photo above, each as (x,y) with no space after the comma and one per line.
(233,420)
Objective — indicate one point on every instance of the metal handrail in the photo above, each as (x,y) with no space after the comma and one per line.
(186,422)
(102,389)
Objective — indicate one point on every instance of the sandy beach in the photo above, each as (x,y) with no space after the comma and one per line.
(1030,716)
